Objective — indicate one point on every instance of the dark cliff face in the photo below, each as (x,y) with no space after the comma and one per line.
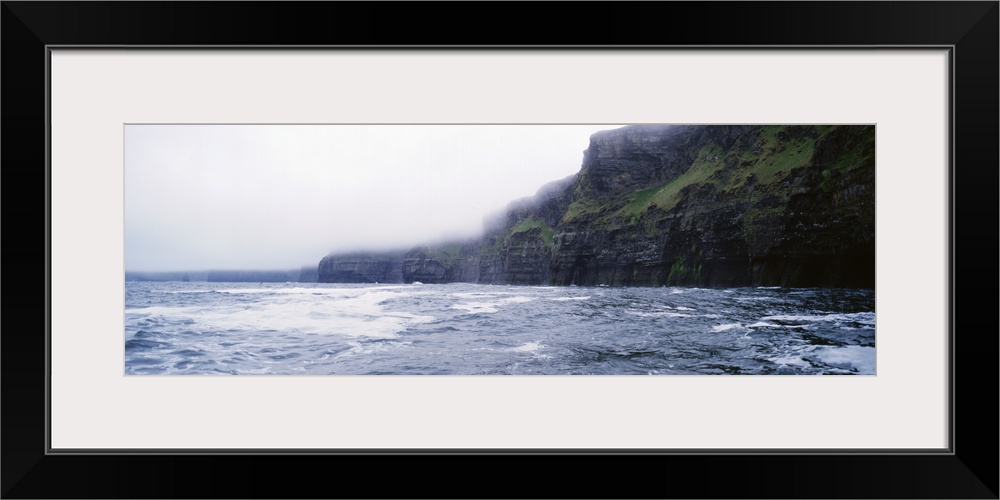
(730,206)
(450,263)
(255,276)
(683,205)
(517,249)
(625,160)
(361,268)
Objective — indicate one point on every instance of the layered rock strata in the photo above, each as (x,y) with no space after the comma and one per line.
(674,205)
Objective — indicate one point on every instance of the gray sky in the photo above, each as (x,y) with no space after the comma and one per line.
(200,197)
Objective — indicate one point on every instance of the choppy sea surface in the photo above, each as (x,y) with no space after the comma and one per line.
(175,328)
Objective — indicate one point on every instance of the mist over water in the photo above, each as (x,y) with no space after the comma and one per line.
(466,329)
(230,197)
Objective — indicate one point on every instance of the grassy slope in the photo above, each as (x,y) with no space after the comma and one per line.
(531,224)
(758,173)
(492,244)
(763,162)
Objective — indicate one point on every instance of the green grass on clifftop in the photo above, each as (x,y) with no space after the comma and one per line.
(531,223)
(763,159)
(666,196)
(777,156)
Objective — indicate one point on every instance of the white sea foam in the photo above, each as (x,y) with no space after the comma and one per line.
(861,317)
(478,295)
(517,300)
(528,347)
(722,328)
(791,360)
(158,310)
(312,291)
(853,358)
(585,297)
(657,314)
(361,315)
(533,348)
(861,358)
(256,371)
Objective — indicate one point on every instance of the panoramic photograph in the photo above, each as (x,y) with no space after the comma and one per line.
(607,249)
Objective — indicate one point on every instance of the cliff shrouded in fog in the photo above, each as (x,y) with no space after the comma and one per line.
(700,205)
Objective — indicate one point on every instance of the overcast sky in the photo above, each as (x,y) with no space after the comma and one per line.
(201,197)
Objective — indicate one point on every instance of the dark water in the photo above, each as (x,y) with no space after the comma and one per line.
(322,329)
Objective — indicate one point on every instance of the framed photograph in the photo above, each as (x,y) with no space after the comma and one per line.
(332,210)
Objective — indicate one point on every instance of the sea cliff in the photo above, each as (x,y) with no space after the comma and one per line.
(700,205)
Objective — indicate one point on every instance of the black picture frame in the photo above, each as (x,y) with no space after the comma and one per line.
(969,470)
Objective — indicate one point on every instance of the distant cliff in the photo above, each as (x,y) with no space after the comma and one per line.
(674,205)
(306,274)
(259,276)
(362,268)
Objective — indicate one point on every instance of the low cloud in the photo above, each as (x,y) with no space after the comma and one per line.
(283,196)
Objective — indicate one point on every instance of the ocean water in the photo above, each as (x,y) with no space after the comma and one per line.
(176,328)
